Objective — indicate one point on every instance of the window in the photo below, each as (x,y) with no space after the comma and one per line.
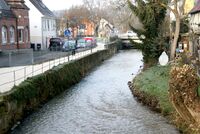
(54,25)
(12,34)
(48,27)
(26,34)
(51,25)
(20,35)
(4,35)
(44,25)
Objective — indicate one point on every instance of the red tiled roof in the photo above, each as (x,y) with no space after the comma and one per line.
(196,8)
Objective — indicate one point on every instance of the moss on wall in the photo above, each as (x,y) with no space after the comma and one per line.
(36,90)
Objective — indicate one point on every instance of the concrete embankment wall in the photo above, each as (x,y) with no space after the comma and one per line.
(37,90)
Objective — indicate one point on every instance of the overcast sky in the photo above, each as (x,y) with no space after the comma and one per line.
(61,4)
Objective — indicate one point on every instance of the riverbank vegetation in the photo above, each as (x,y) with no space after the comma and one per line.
(153,87)
(154,83)
(171,90)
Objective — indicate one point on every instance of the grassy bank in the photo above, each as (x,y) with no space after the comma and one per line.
(154,82)
(151,88)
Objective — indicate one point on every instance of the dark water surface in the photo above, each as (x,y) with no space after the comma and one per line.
(100,104)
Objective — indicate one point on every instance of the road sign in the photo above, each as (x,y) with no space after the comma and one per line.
(67,32)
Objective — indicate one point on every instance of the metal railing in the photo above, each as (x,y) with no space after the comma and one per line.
(13,76)
(10,58)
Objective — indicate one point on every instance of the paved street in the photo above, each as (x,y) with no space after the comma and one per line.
(27,57)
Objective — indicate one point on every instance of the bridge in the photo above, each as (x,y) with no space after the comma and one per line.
(126,40)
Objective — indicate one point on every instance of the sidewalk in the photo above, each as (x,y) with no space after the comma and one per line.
(29,57)
(10,76)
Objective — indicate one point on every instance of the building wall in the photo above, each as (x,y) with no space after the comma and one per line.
(88,31)
(89,28)
(20,23)
(48,30)
(104,30)
(41,28)
(189,4)
(23,24)
(8,22)
(35,23)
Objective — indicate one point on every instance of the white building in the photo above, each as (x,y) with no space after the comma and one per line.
(195,27)
(105,28)
(42,23)
(194,18)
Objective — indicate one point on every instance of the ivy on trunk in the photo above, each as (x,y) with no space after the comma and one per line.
(151,15)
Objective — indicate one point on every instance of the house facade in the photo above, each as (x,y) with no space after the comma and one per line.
(14,25)
(194,18)
(189,4)
(84,28)
(105,28)
(184,41)
(195,27)
(42,23)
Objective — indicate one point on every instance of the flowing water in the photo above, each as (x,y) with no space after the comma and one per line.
(100,104)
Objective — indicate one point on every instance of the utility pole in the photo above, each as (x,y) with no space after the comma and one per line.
(68,29)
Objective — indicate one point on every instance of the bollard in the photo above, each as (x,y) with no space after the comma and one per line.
(32,58)
(42,67)
(24,73)
(59,60)
(49,64)
(10,59)
(32,69)
(14,78)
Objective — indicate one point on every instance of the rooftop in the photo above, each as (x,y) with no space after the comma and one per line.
(5,10)
(3,5)
(42,8)
(196,8)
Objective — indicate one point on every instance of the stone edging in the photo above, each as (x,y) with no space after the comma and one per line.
(144,98)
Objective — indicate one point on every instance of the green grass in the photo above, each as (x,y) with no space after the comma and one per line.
(154,81)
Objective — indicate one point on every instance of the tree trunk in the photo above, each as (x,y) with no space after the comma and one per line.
(176,36)
(151,62)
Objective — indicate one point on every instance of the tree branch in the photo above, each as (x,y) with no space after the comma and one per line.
(168,7)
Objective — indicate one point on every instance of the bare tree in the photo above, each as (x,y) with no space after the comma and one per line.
(76,13)
(123,17)
(73,18)
(177,8)
(96,11)
(115,12)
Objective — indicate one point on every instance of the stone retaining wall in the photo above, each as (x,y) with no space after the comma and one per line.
(37,90)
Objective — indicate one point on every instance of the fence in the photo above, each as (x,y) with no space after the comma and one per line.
(12,76)
(10,57)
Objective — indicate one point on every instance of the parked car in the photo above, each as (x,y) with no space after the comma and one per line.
(56,44)
(90,41)
(131,34)
(81,43)
(69,45)
(86,42)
